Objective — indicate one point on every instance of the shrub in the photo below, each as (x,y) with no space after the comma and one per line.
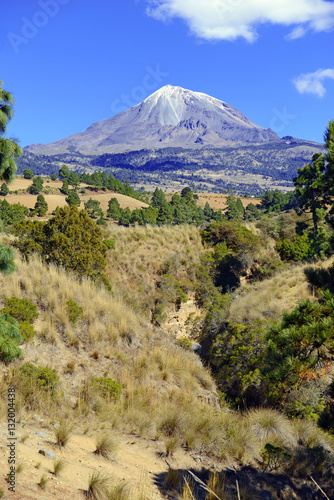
(27,331)
(74,311)
(295,250)
(21,309)
(25,313)
(159,315)
(39,376)
(185,343)
(54,177)
(12,213)
(107,387)
(298,347)
(110,243)
(28,173)
(70,239)
(4,190)
(171,291)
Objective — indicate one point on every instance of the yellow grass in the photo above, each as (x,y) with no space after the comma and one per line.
(103,198)
(268,299)
(58,200)
(142,253)
(218,201)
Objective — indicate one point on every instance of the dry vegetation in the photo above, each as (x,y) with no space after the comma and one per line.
(168,396)
(55,198)
(141,253)
(218,201)
(268,299)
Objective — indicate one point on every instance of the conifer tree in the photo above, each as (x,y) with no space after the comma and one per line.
(9,148)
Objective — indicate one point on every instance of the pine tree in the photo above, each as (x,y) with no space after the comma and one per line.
(41,205)
(4,190)
(28,173)
(114,209)
(73,199)
(310,188)
(9,148)
(93,208)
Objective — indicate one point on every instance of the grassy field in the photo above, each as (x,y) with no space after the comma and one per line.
(55,199)
(218,201)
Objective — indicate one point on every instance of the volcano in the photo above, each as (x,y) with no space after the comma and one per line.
(170,117)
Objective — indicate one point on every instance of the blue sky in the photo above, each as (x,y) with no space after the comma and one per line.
(70,63)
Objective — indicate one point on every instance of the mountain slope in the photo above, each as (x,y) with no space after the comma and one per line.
(171,116)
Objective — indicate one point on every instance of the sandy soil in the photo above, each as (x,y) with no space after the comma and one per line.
(139,463)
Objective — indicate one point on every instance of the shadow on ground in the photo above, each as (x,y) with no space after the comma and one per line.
(251,483)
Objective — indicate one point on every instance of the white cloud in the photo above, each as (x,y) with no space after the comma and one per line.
(230,19)
(311,83)
(298,32)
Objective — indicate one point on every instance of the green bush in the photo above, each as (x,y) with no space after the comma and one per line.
(28,173)
(12,213)
(27,331)
(25,313)
(107,387)
(295,250)
(4,190)
(20,309)
(39,376)
(74,311)
(110,243)
(70,239)
(185,343)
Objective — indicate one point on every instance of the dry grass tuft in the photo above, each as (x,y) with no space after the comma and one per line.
(172,423)
(271,426)
(62,433)
(216,484)
(43,482)
(98,485)
(171,445)
(120,492)
(105,447)
(58,466)
(173,479)
(308,434)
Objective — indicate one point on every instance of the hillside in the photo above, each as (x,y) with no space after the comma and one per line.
(55,198)
(169,407)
